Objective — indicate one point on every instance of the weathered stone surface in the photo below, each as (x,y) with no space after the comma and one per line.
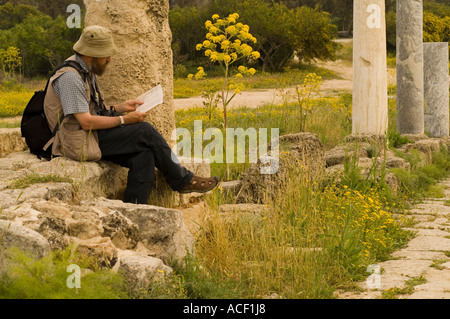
(52,227)
(436,80)
(410,115)
(142,34)
(249,212)
(306,153)
(84,228)
(142,271)
(426,148)
(415,137)
(91,179)
(15,235)
(243,208)
(366,140)
(194,216)
(307,149)
(162,230)
(101,249)
(11,141)
(17,161)
(230,187)
(341,153)
(122,231)
(47,191)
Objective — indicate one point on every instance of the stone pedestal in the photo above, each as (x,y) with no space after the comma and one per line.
(141,33)
(410,117)
(436,81)
(370,99)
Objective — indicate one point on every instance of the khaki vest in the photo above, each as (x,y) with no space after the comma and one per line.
(70,140)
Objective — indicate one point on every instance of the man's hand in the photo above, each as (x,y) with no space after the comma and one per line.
(128,106)
(134,117)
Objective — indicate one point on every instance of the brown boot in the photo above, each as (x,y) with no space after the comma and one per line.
(200,184)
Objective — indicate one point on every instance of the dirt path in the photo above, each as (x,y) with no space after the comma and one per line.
(255,98)
(423,266)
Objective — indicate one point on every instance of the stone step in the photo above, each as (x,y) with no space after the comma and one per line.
(11,141)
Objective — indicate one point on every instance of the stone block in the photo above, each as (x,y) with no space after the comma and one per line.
(161,230)
(14,235)
(304,152)
(11,141)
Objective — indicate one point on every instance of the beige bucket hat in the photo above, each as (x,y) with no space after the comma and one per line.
(96,42)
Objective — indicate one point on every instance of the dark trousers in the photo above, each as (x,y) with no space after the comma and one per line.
(141,148)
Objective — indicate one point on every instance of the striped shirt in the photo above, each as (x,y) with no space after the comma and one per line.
(71,90)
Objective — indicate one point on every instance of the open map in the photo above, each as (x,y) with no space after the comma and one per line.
(151,99)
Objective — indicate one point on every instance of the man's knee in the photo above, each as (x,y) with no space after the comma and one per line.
(150,133)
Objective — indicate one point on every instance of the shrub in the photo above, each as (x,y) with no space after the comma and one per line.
(43,42)
(28,278)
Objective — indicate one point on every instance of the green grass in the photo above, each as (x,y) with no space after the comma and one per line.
(10,123)
(329,119)
(351,225)
(315,237)
(408,289)
(46,278)
(184,88)
(36,178)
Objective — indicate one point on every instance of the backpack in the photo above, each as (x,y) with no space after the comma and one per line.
(34,126)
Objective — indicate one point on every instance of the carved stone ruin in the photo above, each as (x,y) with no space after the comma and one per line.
(410,99)
(370,100)
(436,80)
(141,33)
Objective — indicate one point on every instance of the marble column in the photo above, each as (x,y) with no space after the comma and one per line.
(370,101)
(436,81)
(410,116)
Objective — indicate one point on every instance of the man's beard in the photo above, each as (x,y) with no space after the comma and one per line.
(97,68)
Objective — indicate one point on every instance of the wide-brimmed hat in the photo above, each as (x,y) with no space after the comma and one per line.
(97,42)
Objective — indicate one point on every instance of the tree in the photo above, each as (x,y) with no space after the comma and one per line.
(187,30)
(53,8)
(10,61)
(43,42)
(226,43)
(342,9)
(11,15)
(283,32)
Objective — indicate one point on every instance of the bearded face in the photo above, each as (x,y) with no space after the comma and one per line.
(98,66)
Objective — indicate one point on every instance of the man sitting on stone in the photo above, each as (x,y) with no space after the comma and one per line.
(91,131)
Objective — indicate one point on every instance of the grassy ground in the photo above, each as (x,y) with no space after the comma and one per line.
(314,238)
(184,88)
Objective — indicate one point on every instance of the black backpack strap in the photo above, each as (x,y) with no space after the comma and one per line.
(95,95)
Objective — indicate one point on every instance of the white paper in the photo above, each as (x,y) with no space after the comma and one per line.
(151,99)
